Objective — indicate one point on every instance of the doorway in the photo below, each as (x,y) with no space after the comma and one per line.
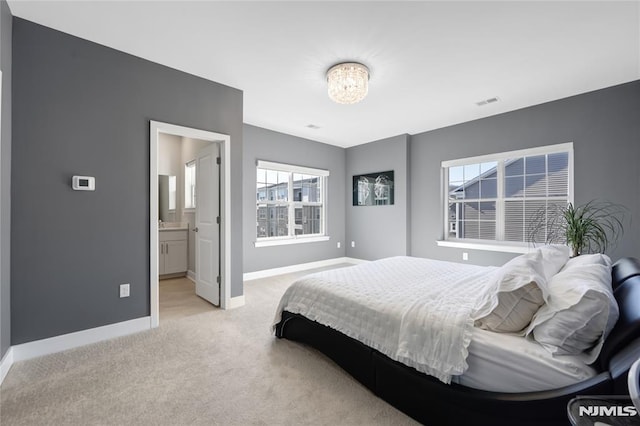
(189,212)
(213,285)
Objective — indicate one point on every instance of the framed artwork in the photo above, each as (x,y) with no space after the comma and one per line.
(373,189)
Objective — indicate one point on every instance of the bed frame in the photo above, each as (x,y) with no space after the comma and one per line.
(432,402)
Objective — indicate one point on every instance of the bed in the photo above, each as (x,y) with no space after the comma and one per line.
(383,323)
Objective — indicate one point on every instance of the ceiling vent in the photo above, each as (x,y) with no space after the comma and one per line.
(487,101)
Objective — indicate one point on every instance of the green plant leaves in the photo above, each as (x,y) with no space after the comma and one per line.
(589,228)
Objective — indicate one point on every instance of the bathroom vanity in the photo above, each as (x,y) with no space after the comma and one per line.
(172,251)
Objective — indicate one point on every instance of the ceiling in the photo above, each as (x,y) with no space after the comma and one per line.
(430,62)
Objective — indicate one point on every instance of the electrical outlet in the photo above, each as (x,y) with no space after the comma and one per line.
(124,290)
(339,244)
(353,243)
(465,256)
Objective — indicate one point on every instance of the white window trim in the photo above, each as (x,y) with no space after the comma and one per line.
(282,241)
(291,168)
(497,245)
(296,239)
(547,149)
(501,246)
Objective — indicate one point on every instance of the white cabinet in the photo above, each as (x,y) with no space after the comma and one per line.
(173,251)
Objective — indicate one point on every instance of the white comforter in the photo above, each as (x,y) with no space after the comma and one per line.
(416,311)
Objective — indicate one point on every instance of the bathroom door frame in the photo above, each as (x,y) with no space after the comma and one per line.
(155,128)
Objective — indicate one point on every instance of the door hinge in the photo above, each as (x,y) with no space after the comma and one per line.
(217,160)
(218,220)
(218,279)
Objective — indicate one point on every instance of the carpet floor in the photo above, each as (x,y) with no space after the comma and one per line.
(210,368)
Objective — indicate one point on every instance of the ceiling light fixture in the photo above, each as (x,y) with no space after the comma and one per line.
(348,82)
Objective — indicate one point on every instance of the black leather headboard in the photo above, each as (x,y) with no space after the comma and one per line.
(627,294)
(624,269)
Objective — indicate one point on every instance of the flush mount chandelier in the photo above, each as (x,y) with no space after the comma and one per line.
(348,82)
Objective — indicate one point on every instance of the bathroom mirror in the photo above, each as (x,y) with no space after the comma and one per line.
(166,198)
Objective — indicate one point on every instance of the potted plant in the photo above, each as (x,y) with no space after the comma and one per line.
(588,228)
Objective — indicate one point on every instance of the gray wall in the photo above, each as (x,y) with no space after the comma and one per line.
(5,179)
(603,125)
(262,144)
(379,231)
(81,108)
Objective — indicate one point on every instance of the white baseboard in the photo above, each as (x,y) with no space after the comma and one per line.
(64,342)
(79,338)
(5,364)
(236,302)
(191,275)
(297,268)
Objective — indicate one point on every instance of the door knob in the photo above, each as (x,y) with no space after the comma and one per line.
(195,229)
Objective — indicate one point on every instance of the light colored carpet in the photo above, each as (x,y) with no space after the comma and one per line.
(212,368)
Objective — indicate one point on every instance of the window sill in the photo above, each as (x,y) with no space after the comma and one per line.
(287,241)
(496,246)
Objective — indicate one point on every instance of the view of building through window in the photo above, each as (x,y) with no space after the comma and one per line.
(289,204)
(497,200)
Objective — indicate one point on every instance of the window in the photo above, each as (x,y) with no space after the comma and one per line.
(190,185)
(289,201)
(498,197)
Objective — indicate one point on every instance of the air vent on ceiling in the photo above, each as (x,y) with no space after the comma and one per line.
(487,101)
(312,126)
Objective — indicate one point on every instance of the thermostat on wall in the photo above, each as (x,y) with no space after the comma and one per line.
(83,183)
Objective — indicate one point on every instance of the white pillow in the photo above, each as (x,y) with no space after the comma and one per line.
(516,295)
(588,259)
(580,311)
(554,257)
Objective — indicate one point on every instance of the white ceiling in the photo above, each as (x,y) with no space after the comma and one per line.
(430,61)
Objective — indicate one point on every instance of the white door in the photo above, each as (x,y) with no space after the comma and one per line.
(207,227)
